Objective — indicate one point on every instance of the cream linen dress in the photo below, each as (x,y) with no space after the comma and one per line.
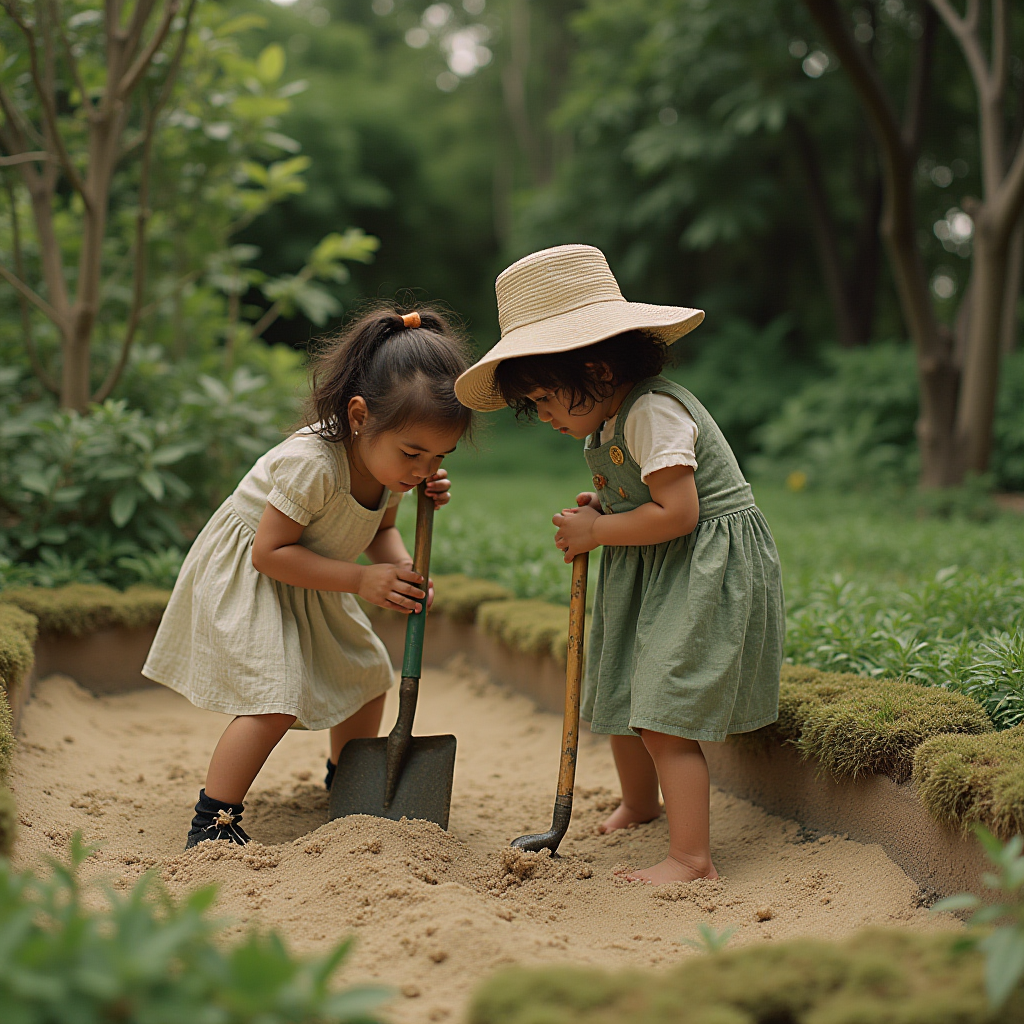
(236,641)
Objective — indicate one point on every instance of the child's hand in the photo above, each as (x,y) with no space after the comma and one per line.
(575,531)
(392,586)
(589,499)
(438,487)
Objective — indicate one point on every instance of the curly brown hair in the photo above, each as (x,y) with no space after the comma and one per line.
(585,375)
(404,374)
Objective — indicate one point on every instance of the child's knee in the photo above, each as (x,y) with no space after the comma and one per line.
(663,743)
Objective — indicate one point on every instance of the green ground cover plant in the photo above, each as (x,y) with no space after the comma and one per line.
(143,958)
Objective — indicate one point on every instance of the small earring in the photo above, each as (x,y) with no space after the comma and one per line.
(356,433)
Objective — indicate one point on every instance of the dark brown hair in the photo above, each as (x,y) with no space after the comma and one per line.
(404,374)
(585,375)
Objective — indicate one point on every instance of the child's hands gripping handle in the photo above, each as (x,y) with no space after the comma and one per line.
(398,587)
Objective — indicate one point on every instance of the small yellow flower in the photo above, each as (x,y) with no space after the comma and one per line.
(797,480)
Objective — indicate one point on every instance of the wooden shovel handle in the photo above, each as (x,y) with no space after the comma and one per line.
(573,675)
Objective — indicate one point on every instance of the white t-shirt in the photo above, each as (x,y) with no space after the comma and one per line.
(659,432)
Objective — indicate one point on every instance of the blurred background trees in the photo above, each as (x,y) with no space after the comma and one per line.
(277,164)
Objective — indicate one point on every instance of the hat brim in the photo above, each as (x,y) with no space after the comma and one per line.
(574,329)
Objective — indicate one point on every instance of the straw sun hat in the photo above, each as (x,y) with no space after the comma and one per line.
(560,299)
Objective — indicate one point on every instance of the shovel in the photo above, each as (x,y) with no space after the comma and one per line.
(401,776)
(571,721)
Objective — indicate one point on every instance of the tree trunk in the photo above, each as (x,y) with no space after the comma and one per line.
(976,412)
(1011,298)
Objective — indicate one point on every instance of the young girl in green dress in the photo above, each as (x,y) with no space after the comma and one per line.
(688,621)
(263,623)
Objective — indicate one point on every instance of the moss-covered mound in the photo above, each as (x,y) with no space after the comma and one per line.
(458,597)
(964,780)
(894,977)
(856,726)
(529,627)
(17,636)
(83,608)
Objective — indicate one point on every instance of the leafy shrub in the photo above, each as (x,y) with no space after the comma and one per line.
(854,427)
(145,959)
(116,495)
(529,627)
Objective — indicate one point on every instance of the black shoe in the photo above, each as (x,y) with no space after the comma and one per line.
(216,820)
(329,777)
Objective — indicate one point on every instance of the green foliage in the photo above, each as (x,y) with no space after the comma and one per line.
(969,780)
(145,959)
(1003,946)
(854,726)
(82,608)
(115,495)
(710,940)
(7,742)
(853,428)
(886,977)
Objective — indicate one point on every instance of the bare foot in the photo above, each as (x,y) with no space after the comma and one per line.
(672,870)
(625,817)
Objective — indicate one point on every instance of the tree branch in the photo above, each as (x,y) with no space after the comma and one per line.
(142,219)
(136,71)
(966,32)
(46,101)
(69,57)
(918,89)
(23,158)
(36,299)
(26,321)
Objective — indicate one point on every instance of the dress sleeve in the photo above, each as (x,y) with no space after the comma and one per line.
(660,432)
(304,478)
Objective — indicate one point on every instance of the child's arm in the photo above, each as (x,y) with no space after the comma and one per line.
(672,512)
(277,553)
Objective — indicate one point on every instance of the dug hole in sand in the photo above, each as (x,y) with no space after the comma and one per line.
(432,911)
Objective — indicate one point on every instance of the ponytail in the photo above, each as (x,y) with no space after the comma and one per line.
(404,367)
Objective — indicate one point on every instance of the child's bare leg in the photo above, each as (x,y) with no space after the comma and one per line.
(365,723)
(683,773)
(241,753)
(639,780)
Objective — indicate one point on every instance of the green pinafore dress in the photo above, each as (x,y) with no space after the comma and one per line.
(687,635)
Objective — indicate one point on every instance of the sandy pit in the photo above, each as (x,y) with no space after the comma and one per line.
(433,912)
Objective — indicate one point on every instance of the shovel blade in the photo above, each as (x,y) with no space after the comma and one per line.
(424,789)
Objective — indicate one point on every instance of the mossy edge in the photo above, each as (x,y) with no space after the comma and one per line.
(83,608)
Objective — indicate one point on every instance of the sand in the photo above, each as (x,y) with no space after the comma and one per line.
(433,912)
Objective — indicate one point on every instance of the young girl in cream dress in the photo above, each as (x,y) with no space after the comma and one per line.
(263,623)
(688,619)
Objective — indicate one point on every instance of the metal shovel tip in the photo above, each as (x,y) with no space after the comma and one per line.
(424,789)
(559,826)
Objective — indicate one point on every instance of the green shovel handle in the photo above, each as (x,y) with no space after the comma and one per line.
(416,625)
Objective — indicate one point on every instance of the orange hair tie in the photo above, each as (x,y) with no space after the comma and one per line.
(411,319)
